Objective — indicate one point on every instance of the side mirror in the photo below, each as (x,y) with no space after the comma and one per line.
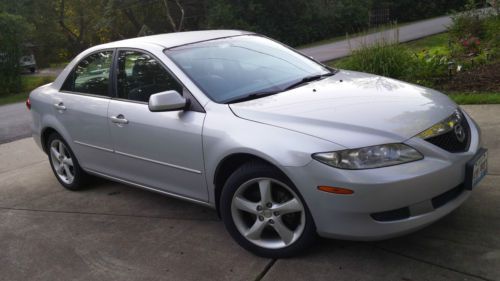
(167,101)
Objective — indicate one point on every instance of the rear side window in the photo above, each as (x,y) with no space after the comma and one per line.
(91,75)
(140,75)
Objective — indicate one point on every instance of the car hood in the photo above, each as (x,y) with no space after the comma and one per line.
(351,109)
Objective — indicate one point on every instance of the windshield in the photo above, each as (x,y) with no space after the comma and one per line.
(231,68)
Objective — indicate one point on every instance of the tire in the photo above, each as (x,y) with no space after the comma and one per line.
(64,164)
(32,69)
(277,227)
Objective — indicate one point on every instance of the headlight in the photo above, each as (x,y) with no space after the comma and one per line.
(442,127)
(369,157)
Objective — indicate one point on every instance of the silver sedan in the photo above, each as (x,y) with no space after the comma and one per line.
(285,148)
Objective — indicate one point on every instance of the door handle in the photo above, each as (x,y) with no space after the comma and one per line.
(119,119)
(60,106)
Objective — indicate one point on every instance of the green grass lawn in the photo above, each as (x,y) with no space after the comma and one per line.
(476,97)
(28,84)
(430,42)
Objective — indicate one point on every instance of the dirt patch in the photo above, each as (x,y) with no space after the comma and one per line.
(484,78)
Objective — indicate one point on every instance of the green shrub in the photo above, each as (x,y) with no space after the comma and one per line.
(492,34)
(383,58)
(425,67)
(474,32)
(465,25)
(429,68)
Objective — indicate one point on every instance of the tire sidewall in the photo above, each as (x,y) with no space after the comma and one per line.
(259,170)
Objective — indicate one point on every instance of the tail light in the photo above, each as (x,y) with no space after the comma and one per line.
(28,104)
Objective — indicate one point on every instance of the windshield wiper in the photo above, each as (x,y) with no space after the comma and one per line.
(252,96)
(257,95)
(308,79)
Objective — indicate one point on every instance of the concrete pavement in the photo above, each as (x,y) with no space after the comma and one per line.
(115,232)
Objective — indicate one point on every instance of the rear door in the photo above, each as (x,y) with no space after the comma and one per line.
(82,106)
(162,150)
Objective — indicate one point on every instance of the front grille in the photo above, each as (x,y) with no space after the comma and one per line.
(450,142)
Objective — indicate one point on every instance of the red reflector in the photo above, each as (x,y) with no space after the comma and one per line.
(28,104)
(336,190)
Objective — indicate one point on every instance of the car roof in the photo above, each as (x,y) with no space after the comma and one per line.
(170,40)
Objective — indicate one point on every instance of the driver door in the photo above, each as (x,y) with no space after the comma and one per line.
(161,150)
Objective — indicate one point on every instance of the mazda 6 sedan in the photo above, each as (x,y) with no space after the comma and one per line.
(283,147)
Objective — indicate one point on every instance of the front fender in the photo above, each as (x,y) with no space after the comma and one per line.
(225,134)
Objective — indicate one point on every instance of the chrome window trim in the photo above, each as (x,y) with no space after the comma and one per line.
(162,64)
(85,94)
(113,51)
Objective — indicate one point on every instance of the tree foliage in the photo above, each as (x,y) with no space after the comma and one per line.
(12,30)
(63,28)
(294,21)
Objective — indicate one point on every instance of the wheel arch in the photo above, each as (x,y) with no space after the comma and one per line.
(46,132)
(50,124)
(228,165)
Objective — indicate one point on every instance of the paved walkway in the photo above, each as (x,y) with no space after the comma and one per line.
(405,33)
(114,232)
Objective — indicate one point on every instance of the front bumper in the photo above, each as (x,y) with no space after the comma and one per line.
(411,187)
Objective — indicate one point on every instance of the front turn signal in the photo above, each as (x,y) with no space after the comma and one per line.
(336,190)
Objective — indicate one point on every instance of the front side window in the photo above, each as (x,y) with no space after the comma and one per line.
(91,75)
(140,75)
(229,68)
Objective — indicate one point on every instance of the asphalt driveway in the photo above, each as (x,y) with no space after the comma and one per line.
(115,232)
(15,122)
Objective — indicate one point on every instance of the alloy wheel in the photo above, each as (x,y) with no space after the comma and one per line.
(62,161)
(268,213)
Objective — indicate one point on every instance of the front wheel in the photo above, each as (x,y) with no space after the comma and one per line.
(264,213)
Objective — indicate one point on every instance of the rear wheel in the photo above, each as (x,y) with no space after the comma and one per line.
(64,163)
(264,213)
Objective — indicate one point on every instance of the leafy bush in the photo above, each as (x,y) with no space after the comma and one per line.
(492,34)
(398,61)
(475,36)
(467,24)
(383,58)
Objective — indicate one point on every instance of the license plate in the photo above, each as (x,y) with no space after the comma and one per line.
(476,169)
